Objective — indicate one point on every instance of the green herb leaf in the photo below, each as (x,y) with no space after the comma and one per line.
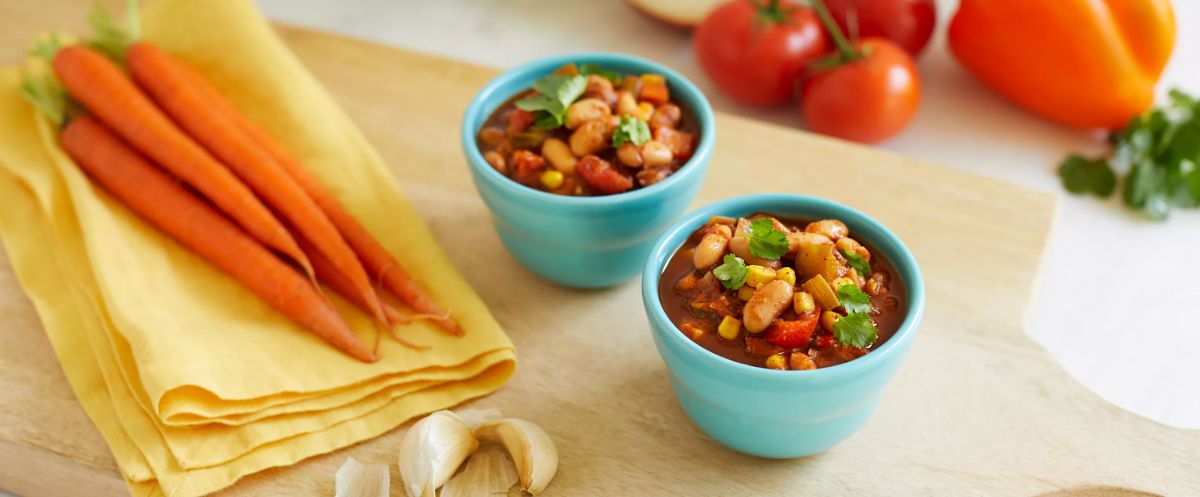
(731,272)
(1080,175)
(589,69)
(631,130)
(859,264)
(853,299)
(1158,151)
(766,241)
(554,94)
(856,330)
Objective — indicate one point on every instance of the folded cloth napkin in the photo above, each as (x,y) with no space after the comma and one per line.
(192,380)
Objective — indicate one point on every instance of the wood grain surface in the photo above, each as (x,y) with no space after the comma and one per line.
(978,408)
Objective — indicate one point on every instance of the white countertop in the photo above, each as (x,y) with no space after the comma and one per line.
(1115,293)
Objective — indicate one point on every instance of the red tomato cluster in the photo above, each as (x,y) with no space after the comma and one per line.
(760,51)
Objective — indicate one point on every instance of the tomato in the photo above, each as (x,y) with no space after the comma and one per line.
(791,334)
(909,23)
(866,99)
(754,50)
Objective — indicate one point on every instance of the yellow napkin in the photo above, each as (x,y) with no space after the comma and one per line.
(191,379)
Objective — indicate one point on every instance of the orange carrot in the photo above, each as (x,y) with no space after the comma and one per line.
(372,254)
(329,275)
(99,85)
(163,79)
(172,209)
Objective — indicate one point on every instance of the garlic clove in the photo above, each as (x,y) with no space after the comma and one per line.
(432,451)
(531,449)
(488,473)
(475,417)
(354,479)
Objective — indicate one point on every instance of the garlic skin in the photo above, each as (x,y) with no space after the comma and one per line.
(488,473)
(474,417)
(530,447)
(354,479)
(432,451)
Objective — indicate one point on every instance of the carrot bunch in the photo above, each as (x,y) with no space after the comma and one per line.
(267,221)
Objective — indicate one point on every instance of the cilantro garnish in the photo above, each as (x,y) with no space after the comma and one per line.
(554,94)
(589,69)
(859,264)
(766,241)
(1159,152)
(1080,175)
(631,130)
(853,299)
(856,330)
(731,272)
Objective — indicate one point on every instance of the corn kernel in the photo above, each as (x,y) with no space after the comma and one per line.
(799,361)
(829,319)
(645,110)
(838,282)
(776,361)
(745,292)
(786,274)
(552,178)
(803,303)
(730,328)
(757,276)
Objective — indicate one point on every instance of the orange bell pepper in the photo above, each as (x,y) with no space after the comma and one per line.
(1085,63)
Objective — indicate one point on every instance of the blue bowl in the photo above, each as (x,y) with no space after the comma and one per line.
(587,242)
(769,413)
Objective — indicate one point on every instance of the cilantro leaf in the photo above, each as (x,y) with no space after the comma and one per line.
(859,264)
(856,330)
(853,299)
(731,272)
(1080,175)
(589,69)
(554,94)
(631,130)
(766,241)
(1159,154)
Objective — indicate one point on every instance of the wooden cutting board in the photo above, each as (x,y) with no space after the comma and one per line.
(978,408)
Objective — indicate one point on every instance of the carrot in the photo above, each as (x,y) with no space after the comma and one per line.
(172,209)
(168,85)
(108,93)
(329,275)
(372,254)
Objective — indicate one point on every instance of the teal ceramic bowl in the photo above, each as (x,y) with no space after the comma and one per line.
(586,242)
(769,413)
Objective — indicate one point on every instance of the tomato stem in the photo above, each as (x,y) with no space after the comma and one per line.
(771,12)
(839,39)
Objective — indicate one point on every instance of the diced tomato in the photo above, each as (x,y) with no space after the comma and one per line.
(526,163)
(792,334)
(681,143)
(519,120)
(602,176)
(654,89)
(824,341)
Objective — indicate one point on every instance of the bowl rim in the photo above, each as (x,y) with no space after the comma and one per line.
(662,325)
(703,113)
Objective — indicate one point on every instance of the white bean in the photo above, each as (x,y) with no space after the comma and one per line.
(655,154)
(767,303)
(588,139)
(588,109)
(559,154)
(709,251)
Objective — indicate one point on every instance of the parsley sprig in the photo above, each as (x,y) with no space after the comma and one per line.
(766,241)
(1159,151)
(731,272)
(631,130)
(554,94)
